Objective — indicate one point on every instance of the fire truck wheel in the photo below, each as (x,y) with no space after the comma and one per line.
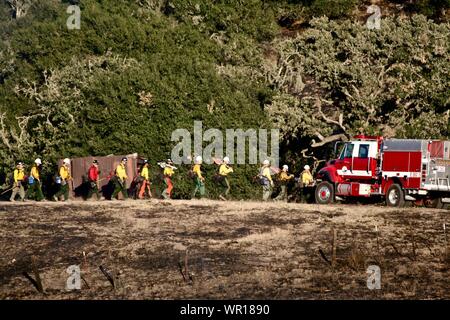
(324,193)
(395,196)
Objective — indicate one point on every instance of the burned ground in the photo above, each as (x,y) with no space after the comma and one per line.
(233,250)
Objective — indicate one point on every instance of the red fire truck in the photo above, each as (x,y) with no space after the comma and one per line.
(401,171)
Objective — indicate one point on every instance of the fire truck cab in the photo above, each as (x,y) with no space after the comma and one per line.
(402,171)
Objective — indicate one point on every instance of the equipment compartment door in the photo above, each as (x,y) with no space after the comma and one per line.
(365,162)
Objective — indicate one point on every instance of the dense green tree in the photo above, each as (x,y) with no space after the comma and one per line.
(121,84)
(338,79)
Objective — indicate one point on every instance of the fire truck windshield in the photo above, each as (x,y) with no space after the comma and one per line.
(347,151)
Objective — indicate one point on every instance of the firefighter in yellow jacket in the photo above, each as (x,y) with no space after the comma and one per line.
(199,179)
(145,184)
(306,181)
(284,178)
(63,180)
(168,173)
(19,176)
(266,180)
(306,176)
(34,182)
(224,170)
(120,180)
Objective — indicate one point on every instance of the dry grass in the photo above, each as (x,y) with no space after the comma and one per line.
(234,250)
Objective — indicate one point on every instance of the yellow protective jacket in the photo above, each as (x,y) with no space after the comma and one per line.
(64,173)
(19,175)
(266,173)
(34,172)
(224,170)
(168,171)
(307,178)
(144,173)
(284,176)
(121,172)
(197,170)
